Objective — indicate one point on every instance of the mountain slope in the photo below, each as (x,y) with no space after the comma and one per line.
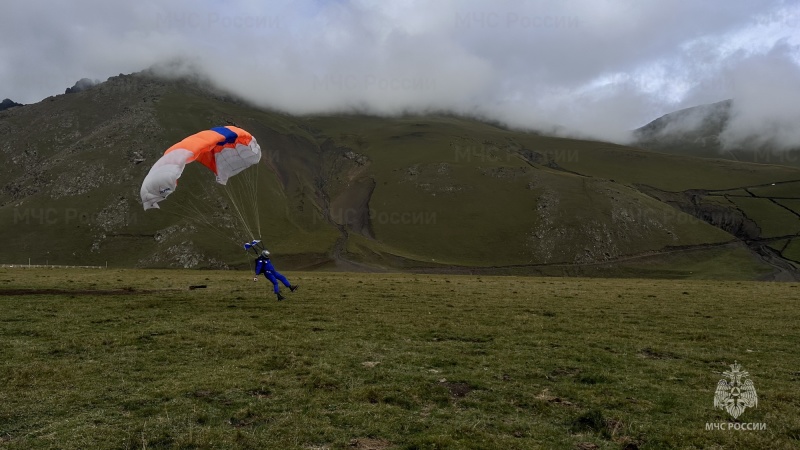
(698,131)
(360,192)
(692,130)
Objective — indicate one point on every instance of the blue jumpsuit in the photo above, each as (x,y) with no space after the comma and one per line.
(264,265)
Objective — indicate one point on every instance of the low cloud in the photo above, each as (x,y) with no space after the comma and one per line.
(766,110)
(579,67)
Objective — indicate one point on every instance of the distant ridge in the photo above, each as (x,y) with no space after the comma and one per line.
(8,103)
(694,129)
(698,131)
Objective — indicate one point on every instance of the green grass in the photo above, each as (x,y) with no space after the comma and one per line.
(792,251)
(685,172)
(779,190)
(730,262)
(735,192)
(792,204)
(389,361)
(772,219)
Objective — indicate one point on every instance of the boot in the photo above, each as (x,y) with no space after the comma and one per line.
(293,288)
(280,297)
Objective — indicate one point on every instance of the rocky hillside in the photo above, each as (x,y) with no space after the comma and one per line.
(424,193)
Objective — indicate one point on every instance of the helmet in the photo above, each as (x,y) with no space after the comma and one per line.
(265,252)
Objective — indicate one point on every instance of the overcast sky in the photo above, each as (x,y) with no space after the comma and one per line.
(597,67)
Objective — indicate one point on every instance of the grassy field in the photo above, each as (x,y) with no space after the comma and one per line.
(134,359)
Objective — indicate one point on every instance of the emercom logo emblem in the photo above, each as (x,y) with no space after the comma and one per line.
(736,393)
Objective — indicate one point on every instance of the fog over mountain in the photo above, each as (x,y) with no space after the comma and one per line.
(582,67)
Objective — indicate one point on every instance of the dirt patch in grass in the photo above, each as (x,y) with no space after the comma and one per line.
(628,444)
(651,353)
(457,389)
(563,372)
(260,393)
(546,396)
(203,394)
(586,446)
(369,444)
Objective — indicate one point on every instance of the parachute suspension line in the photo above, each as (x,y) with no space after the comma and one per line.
(247,194)
(255,197)
(235,203)
(193,218)
(190,211)
(206,215)
(252,185)
(218,199)
(215,231)
(239,205)
(243,194)
(236,195)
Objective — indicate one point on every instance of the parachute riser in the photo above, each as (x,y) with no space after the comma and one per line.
(255,246)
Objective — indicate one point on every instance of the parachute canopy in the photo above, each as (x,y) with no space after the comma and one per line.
(226,151)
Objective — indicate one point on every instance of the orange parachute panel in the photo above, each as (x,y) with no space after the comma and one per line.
(226,151)
(206,144)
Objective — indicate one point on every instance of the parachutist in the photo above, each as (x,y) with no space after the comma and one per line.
(264,266)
